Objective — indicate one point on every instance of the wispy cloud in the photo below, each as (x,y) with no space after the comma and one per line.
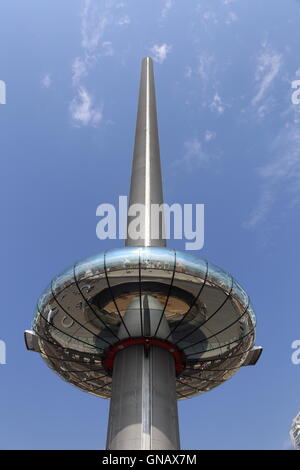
(97,21)
(107,47)
(168,4)
(217,105)
(280,177)
(210,16)
(231,18)
(160,52)
(268,66)
(188,71)
(79,70)
(209,135)
(46,81)
(260,211)
(83,111)
(206,68)
(196,153)
(124,20)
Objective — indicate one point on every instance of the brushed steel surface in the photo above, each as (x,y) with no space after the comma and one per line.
(146,178)
(143,408)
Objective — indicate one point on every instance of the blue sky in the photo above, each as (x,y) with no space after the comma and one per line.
(230,139)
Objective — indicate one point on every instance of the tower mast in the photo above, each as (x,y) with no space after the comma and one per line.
(146,180)
(143,407)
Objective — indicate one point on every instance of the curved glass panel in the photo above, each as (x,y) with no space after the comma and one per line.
(86,344)
(221,347)
(240,294)
(185,309)
(251,313)
(123,258)
(79,314)
(190,264)
(222,327)
(156,274)
(35,319)
(124,287)
(219,277)
(94,265)
(157,258)
(102,322)
(45,298)
(63,280)
(212,299)
(88,287)
(86,316)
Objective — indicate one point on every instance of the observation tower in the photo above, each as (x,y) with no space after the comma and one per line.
(144,325)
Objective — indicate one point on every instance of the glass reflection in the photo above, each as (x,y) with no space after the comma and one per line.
(219,277)
(157,258)
(123,258)
(94,265)
(251,313)
(240,294)
(45,298)
(63,280)
(84,319)
(190,264)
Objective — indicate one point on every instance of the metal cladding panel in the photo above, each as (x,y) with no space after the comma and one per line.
(165,427)
(143,408)
(146,179)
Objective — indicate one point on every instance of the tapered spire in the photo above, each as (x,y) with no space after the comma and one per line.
(146,181)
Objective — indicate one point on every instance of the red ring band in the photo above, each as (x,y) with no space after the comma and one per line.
(110,354)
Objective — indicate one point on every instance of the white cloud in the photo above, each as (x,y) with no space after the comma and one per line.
(232,18)
(46,81)
(107,48)
(97,18)
(124,20)
(160,52)
(195,154)
(93,23)
(206,69)
(188,72)
(280,177)
(206,64)
(211,16)
(83,111)
(166,8)
(259,213)
(217,104)
(209,135)
(265,107)
(268,66)
(79,70)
